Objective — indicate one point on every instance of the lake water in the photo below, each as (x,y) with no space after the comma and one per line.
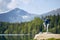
(16,37)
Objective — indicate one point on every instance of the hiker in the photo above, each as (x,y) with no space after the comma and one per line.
(46,23)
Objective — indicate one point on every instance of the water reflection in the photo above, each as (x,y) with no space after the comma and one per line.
(22,37)
(2,38)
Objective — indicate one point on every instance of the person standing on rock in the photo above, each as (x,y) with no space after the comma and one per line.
(46,24)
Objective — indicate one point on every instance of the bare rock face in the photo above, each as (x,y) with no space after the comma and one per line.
(46,35)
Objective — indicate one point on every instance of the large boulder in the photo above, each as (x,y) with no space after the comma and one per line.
(46,35)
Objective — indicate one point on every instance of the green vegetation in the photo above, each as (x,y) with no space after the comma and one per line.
(54,24)
(33,27)
(24,28)
(53,39)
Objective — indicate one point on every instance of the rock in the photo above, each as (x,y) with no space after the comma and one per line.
(46,35)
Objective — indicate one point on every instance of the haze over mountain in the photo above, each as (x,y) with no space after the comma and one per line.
(19,15)
(53,12)
(16,15)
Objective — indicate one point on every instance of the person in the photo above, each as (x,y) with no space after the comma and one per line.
(46,23)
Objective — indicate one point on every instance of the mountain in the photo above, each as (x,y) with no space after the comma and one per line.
(53,12)
(19,15)
(16,15)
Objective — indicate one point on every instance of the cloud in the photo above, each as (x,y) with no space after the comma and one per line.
(6,5)
(3,5)
(25,17)
(15,3)
(0,10)
(12,4)
(26,1)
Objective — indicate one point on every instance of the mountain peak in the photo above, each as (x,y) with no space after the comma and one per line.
(16,9)
(15,15)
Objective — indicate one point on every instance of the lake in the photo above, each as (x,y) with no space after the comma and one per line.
(16,37)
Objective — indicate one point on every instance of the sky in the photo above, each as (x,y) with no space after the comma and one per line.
(31,6)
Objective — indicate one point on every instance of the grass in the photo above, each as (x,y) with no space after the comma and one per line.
(53,39)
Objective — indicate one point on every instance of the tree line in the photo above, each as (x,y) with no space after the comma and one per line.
(31,27)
